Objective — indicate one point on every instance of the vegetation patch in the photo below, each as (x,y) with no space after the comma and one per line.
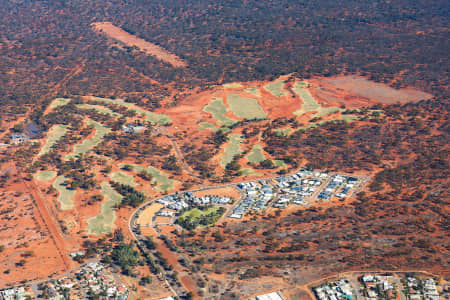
(323,111)
(279,163)
(283,131)
(218,110)
(59,102)
(88,144)
(254,91)
(152,117)
(250,172)
(200,217)
(123,178)
(245,108)
(233,149)
(309,103)
(207,126)
(256,155)
(100,109)
(65,195)
(54,135)
(160,178)
(104,221)
(276,88)
(45,175)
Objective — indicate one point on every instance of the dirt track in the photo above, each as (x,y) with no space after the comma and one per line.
(51,227)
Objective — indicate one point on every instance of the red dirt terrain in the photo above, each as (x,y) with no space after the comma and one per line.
(354,91)
(128,39)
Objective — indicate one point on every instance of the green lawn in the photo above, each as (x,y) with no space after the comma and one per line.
(207,125)
(218,110)
(250,172)
(88,144)
(54,135)
(45,175)
(256,155)
(309,103)
(323,111)
(276,88)
(104,221)
(100,109)
(152,117)
(254,91)
(123,178)
(59,102)
(232,149)
(279,163)
(283,131)
(65,195)
(162,180)
(245,108)
(196,213)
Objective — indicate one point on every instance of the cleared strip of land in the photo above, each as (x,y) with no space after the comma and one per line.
(276,88)
(65,195)
(104,221)
(88,144)
(45,175)
(54,135)
(152,117)
(128,39)
(162,180)
(218,110)
(59,102)
(256,155)
(100,109)
(232,149)
(245,108)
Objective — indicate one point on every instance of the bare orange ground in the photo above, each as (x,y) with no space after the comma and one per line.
(145,218)
(149,231)
(189,284)
(163,220)
(356,91)
(130,40)
(228,191)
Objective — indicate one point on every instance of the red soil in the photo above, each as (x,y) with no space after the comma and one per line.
(128,39)
(356,91)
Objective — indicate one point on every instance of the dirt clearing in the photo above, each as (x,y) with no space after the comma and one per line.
(128,39)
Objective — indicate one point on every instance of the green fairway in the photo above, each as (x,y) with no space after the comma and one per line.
(232,85)
(59,102)
(160,178)
(45,175)
(283,131)
(256,155)
(279,163)
(123,178)
(245,108)
(309,103)
(250,172)
(218,110)
(323,111)
(152,117)
(232,149)
(276,88)
(104,221)
(100,109)
(65,195)
(54,135)
(89,144)
(207,125)
(254,91)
